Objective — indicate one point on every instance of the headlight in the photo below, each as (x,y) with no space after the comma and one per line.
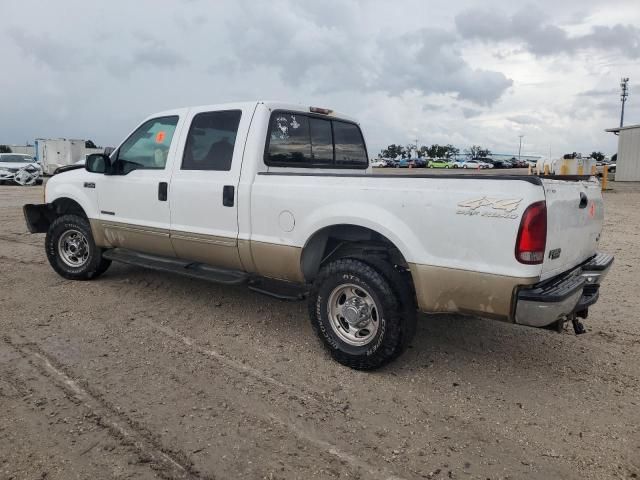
(4,171)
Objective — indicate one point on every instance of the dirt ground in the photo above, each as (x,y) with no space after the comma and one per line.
(145,375)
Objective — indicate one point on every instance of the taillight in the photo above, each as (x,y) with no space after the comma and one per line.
(532,235)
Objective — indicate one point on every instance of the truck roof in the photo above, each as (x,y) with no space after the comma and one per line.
(270,104)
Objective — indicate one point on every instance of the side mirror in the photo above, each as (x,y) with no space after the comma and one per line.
(97,163)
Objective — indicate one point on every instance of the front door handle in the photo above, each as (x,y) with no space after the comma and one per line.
(163,188)
(228,194)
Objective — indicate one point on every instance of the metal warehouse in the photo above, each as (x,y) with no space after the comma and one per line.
(628,163)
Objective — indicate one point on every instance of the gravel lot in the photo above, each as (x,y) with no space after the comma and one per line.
(144,375)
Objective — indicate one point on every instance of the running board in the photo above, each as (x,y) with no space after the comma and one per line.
(279,289)
(200,271)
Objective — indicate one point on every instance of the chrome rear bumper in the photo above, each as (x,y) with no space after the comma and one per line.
(572,292)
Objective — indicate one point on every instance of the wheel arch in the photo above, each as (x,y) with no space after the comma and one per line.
(40,217)
(346,239)
(66,206)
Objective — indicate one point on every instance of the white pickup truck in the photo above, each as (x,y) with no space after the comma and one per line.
(282,197)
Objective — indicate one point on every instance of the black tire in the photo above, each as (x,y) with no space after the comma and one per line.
(92,267)
(388,290)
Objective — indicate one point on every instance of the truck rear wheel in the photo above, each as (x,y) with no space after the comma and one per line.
(361,315)
(71,250)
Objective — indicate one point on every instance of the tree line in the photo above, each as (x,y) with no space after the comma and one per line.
(433,151)
(449,151)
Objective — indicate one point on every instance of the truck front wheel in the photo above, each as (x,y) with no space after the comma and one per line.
(71,250)
(361,315)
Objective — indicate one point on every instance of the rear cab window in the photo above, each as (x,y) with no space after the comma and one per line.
(313,141)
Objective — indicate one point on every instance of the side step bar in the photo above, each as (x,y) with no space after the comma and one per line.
(181,267)
(278,289)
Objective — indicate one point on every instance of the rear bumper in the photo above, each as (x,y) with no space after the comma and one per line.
(572,292)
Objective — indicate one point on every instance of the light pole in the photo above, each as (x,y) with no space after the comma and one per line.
(624,93)
(520,147)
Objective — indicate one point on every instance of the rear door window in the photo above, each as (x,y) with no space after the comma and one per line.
(211,139)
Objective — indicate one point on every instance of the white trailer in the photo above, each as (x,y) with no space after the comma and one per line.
(54,153)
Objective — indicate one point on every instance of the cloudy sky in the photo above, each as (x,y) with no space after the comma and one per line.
(444,72)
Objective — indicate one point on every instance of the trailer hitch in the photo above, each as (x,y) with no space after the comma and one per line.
(578,327)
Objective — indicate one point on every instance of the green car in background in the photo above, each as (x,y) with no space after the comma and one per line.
(439,163)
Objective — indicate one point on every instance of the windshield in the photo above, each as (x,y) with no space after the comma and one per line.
(16,159)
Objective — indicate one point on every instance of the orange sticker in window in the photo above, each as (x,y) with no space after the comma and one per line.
(160,137)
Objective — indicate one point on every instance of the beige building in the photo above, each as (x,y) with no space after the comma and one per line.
(628,163)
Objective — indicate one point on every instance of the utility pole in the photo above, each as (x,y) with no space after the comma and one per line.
(520,147)
(624,93)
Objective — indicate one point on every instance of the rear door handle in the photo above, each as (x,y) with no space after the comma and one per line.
(163,188)
(228,194)
(583,200)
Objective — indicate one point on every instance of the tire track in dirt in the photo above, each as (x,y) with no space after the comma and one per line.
(169,465)
(13,239)
(297,393)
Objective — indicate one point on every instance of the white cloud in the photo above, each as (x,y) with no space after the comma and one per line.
(447,72)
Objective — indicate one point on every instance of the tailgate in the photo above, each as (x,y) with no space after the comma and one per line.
(574,221)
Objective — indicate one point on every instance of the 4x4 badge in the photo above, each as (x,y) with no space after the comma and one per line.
(490,207)
(506,204)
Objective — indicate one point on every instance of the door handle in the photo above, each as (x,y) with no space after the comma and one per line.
(228,194)
(163,188)
(583,200)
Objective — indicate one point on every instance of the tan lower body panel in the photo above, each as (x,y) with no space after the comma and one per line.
(277,261)
(267,259)
(156,241)
(440,289)
(215,251)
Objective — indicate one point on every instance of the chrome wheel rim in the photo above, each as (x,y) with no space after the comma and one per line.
(73,248)
(353,314)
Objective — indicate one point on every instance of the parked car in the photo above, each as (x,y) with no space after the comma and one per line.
(420,162)
(521,163)
(496,163)
(19,168)
(439,163)
(473,163)
(488,162)
(457,163)
(405,163)
(378,163)
(236,197)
